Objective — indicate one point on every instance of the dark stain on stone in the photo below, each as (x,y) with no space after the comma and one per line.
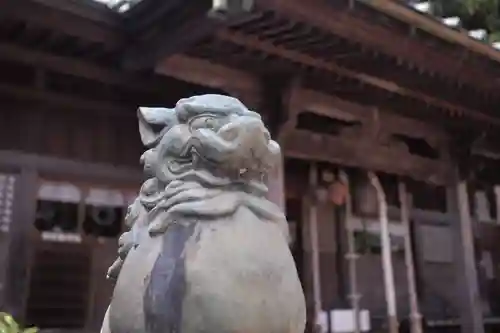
(166,289)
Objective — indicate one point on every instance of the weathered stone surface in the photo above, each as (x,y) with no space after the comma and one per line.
(206,252)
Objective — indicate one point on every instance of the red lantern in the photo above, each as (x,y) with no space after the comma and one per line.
(337,192)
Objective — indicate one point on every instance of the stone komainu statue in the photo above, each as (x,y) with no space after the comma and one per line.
(206,252)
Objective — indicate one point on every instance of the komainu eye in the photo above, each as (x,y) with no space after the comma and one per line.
(210,122)
(203,122)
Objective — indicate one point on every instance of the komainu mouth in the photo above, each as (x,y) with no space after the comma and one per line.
(206,252)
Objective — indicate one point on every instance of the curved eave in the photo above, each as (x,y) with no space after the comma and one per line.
(380,33)
(430,24)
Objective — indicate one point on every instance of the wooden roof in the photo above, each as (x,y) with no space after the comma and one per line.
(77,47)
(349,48)
(357,52)
(402,11)
(81,54)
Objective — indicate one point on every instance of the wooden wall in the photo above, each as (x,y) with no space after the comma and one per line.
(110,139)
(75,135)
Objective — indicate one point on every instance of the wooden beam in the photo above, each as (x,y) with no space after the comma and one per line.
(363,150)
(297,99)
(320,14)
(428,23)
(467,285)
(236,83)
(353,152)
(293,105)
(58,166)
(43,14)
(362,153)
(75,67)
(255,43)
(387,122)
(204,72)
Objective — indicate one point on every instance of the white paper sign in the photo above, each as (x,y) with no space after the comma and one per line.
(342,321)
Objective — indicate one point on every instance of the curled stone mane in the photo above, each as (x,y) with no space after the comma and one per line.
(206,158)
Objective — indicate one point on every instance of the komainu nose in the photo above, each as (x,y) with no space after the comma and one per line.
(253,141)
(256,131)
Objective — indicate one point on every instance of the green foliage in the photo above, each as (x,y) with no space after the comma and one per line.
(484,7)
(494,37)
(474,14)
(9,325)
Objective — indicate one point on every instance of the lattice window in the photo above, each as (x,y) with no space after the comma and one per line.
(7,182)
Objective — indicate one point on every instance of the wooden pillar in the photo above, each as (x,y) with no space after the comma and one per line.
(468,298)
(276,184)
(314,241)
(405,208)
(17,272)
(352,257)
(387,265)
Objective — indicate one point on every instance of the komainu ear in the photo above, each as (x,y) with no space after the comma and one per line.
(154,123)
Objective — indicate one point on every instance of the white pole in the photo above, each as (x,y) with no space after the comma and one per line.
(352,257)
(313,222)
(415,316)
(390,292)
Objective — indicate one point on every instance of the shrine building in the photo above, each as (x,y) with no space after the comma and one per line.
(346,87)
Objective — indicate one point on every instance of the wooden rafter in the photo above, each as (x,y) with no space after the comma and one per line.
(162,28)
(73,22)
(402,46)
(171,29)
(76,68)
(149,52)
(254,43)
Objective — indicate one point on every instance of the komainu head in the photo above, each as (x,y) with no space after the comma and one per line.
(213,133)
(206,157)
